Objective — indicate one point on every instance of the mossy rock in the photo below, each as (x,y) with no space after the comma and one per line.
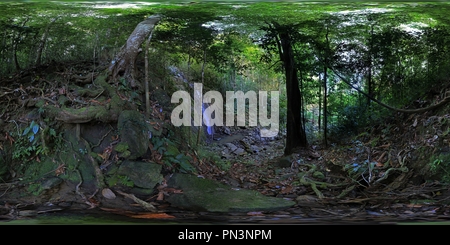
(208,195)
(134,132)
(142,174)
(122,149)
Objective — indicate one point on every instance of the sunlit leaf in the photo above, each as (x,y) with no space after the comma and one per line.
(35,128)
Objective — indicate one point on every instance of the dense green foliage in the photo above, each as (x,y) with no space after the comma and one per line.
(395,52)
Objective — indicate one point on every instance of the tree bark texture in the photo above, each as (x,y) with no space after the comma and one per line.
(296,136)
(125,61)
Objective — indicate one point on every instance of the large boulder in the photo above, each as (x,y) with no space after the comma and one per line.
(201,194)
(143,174)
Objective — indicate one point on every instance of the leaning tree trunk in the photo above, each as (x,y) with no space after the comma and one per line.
(122,65)
(125,61)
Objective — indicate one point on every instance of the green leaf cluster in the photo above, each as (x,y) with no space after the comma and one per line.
(172,156)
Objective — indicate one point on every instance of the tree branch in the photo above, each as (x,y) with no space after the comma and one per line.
(408,111)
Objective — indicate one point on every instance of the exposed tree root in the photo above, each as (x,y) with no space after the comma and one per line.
(403,169)
(346,191)
(98,171)
(144,204)
(305,181)
(77,188)
(313,185)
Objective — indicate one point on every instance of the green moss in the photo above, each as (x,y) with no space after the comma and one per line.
(204,194)
(36,170)
(125,154)
(318,174)
(40,103)
(76,160)
(93,154)
(121,147)
(101,112)
(3,169)
(35,189)
(120,179)
(440,167)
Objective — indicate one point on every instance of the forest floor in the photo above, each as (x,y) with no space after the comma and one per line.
(334,199)
(386,174)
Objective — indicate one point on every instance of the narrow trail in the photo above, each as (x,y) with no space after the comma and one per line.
(244,145)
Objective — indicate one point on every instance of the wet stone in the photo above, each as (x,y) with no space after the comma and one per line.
(239,151)
(143,174)
(227,131)
(208,195)
(231,146)
(51,183)
(254,148)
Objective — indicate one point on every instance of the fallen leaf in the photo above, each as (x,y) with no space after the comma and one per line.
(61,91)
(286,190)
(152,216)
(60,170)
(92,202)
(160,196)
(415,123)
(172,190)
(414,205)
(113,210)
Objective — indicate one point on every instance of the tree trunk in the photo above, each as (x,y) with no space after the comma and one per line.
(319,120)
(147,91)
(325,102)
(369,71)
(42,43)
(16,41)
(296,136)
(125,61)
(203,80)
(16,61)
(325,92)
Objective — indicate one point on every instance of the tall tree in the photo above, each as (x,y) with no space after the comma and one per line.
(280,35)
(43,41)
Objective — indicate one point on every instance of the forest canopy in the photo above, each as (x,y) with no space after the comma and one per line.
(345,55)
(361,90)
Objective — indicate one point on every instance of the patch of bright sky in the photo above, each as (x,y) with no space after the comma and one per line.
(220,26)
(413,28)
(364,11)
(238,6)
(101,5)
